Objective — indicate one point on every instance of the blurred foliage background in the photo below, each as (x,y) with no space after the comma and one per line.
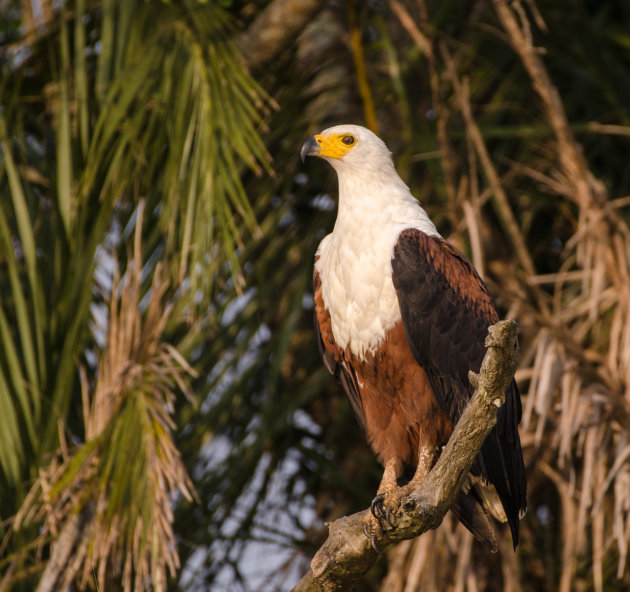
(165,420)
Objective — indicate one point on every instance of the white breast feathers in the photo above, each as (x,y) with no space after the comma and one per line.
(355,269)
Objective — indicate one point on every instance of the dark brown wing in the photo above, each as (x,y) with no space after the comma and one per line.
(446,311)
(332,355)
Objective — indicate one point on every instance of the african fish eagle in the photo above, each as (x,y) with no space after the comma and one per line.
(401,317)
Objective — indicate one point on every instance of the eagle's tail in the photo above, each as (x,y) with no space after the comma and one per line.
(468,510)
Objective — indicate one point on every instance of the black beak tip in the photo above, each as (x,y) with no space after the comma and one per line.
(309,148)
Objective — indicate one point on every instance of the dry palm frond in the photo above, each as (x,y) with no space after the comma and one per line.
(586,412)
(413,566)
(576,334)
(109,500)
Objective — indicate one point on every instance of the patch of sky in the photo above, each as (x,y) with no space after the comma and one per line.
(236,306)
(212,455)
(35,145)
(17,248)
(227,370)
(90,358)
(323,202)
(286,220)
(266,560)
(308,302)
(544,515)
(302,420)
(98,323)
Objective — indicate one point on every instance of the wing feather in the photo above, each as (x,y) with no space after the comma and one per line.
(446,311)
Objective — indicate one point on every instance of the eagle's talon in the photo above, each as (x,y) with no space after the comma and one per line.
(377,506)
(383,512)
(382,515)
(366,532)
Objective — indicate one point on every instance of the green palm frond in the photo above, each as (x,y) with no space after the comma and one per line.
(109,105)
(21,324)
(120,480)
(162,110)
(178,124)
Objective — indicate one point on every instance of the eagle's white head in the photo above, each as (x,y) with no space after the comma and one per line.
(351,149)
(370,190)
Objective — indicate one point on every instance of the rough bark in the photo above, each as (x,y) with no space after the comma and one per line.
(275,28)
(347,553)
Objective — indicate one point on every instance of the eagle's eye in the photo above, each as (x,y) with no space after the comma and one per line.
(348,140)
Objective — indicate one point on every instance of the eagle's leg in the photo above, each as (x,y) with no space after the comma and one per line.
(387,502)
(426,459)
(389,484)
(373,525)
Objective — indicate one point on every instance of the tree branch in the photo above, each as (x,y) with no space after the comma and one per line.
(347,553)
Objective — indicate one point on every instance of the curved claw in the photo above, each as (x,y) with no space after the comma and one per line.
(371,537)
(376,508)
